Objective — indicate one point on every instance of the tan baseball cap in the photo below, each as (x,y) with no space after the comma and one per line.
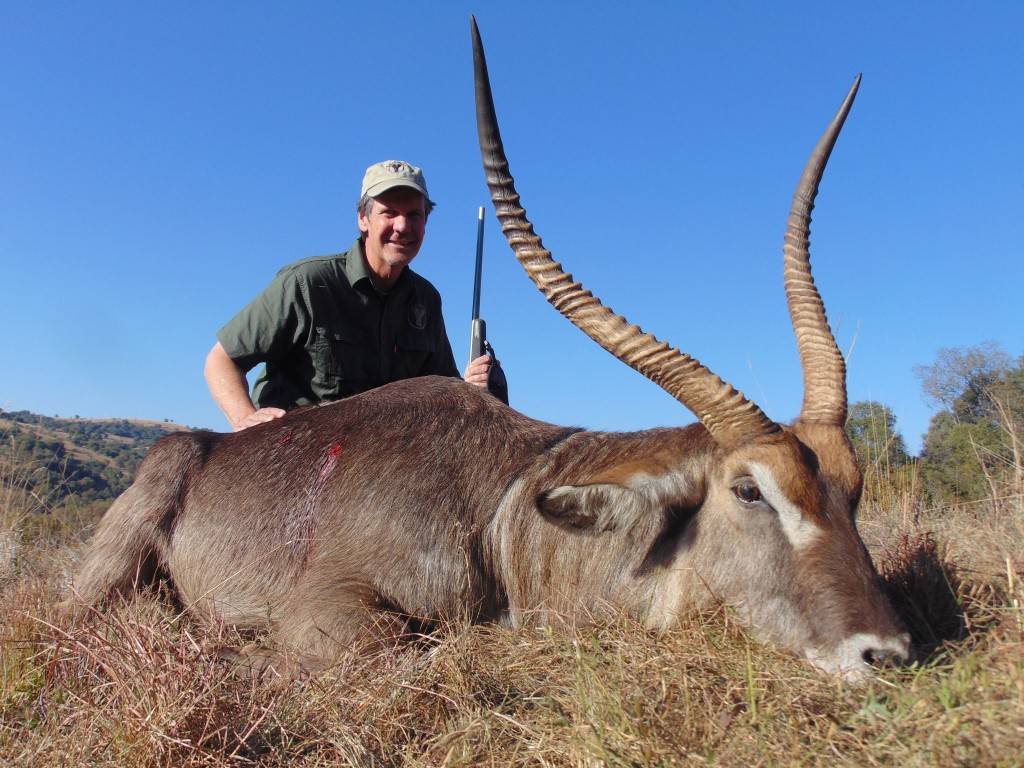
(381,177)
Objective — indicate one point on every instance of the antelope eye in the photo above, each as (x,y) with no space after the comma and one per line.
(748,493)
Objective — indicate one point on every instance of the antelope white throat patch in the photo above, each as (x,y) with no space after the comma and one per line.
(800,532)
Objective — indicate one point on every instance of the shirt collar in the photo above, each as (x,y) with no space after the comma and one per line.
(356,269)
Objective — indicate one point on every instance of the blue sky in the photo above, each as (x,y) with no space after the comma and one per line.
(160,162)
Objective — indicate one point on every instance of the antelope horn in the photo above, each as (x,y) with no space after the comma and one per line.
(725,412)
(823,365)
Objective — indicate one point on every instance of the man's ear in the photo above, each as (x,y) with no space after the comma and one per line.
(364,224)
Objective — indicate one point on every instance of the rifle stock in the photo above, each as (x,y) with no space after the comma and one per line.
(477,338)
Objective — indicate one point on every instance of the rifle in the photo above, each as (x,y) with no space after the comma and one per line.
(497,384)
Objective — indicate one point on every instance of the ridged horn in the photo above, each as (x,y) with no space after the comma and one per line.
(823,365)
(725,412)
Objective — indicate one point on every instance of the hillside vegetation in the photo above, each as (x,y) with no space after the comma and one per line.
(139,685)
(89,459)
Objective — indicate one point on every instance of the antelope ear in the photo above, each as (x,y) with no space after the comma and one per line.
(621,496)
(597,507)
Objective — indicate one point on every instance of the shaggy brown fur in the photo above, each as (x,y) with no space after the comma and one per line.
(429,500)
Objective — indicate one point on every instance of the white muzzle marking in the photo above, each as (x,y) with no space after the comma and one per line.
(848,658)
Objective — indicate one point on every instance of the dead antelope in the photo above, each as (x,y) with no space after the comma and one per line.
(427,499)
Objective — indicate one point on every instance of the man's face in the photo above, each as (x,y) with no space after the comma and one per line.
(393,230)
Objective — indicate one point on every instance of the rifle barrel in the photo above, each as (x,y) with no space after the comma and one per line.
(479,263)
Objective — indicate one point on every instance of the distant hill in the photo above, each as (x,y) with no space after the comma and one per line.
(92,459)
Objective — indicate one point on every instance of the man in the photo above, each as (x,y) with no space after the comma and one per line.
(332,326)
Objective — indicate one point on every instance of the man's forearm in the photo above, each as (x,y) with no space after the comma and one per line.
(228,386)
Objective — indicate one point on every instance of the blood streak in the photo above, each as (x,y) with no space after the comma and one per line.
(308,519)
(332,456)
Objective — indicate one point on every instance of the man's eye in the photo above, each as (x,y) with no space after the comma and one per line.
(748,493)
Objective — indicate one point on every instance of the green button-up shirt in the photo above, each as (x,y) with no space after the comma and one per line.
(324,333)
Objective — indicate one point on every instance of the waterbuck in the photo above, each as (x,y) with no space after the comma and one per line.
(356,522)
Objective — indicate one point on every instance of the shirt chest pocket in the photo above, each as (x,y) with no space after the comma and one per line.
(343,353)
(413,349)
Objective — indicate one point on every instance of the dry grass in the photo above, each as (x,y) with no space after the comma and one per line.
(138,686)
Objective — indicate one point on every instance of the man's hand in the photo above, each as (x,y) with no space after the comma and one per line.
(477,371)
(258,417)
(230,390)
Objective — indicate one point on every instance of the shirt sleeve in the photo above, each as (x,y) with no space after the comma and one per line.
(270,325)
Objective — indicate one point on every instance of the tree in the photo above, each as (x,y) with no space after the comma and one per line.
(972,449)
(871,427)
(958,370)
(881,452)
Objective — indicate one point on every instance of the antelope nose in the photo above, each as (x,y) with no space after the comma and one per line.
(884,658)
(894,653)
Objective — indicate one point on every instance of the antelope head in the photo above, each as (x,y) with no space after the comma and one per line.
(779,501)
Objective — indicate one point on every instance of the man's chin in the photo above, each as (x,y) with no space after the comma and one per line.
(396,258)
